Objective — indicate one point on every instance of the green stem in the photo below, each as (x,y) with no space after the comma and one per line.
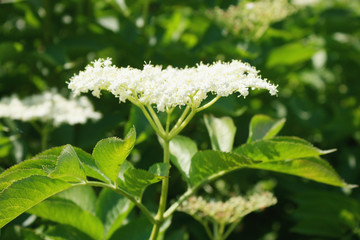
(155,117)
(230,229)
(209,103)
(163,198)
(177,129)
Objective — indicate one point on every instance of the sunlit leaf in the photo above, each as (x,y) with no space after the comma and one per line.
(264,127)
(222,132)
(110,153)
(69,167)
(26,193)
(182,149)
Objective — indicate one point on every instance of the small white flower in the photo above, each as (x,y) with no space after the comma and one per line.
(48,106)
(169,87)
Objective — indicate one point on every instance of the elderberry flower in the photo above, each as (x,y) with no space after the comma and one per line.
(169,87)
(48,106)
(229,211)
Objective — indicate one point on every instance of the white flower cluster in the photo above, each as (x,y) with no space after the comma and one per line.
(227,212)
(169,87)
(251,19)
(48,106)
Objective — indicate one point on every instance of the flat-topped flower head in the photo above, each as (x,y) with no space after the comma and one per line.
(169,87)
(48,106)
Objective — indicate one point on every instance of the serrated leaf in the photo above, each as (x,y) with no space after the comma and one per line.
(313,168)
(89,165)
(67,212)
(110,153)
(221,131)
(112,209)
(182,149)
(26,193)
(207,165)
(282,148)
(134,181)
(69,167)
(264,127)
(160,169)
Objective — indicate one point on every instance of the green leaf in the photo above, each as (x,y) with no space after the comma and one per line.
(65,232)
(264,127)
(134,181)
(83,196)
(67,212)
(137,229)
(326,214)
(313,168)
(160,169)
(25,169)
(279,148)
(69,167)
(26,193)
(182,149)
(112,209)
(207,165)
(88,162)
(110,153)
(290,54)
(221,131)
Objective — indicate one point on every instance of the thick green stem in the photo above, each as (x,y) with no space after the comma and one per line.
(164,192)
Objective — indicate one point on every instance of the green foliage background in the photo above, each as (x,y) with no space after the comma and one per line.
(312,54)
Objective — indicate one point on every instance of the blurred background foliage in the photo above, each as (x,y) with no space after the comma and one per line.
(309,48)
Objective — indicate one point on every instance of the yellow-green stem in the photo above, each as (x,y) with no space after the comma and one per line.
(164,192)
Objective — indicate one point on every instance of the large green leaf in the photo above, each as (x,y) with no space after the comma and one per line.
(65,232)
(134,181)
(26,193)
(67,212)
(221,131)
(137,229)
(291,53)
(313,168)
(279,148)
(207,165)
(264,127)
(182,149)
(69,167)
(83,196)
(326,214)
(112,209)
(110,153)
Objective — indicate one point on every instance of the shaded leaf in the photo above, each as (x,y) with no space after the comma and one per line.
(134,181)
(112,209)
(110,153)
(221,131)
(137,229)
(66,232)
(67,212)
(264,127)
(83,196)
